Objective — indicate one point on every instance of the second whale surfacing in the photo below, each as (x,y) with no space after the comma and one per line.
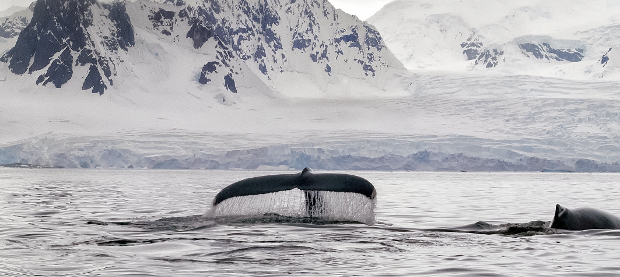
(325,195)
(583,219)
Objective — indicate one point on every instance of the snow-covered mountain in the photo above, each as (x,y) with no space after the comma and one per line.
(16,20)
(571,39)
(231,46)
(12,24)
(288,84)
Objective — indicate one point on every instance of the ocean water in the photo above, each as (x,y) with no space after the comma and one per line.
(153,223)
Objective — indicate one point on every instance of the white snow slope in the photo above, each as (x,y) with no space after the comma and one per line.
(437,122)
(505,37)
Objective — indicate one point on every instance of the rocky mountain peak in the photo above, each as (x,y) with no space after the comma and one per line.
(271,41)
(58,38)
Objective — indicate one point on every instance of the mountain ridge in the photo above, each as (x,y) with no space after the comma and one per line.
(559,39)
(308,40)
(305,94)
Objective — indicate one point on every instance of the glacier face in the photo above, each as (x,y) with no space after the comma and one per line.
(561,39)
(453,122)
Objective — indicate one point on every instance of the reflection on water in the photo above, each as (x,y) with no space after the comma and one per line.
(154,223)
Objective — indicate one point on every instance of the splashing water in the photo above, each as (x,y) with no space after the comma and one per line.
(325,205)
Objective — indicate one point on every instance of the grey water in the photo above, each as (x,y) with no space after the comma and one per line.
(57,222)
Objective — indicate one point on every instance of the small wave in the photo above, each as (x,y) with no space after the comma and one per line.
(173,228)
(198,222)
(612,233)
(531,228)
(128,242)
(281,219)
(180,224)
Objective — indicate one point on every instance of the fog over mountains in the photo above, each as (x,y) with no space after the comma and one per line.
(268,84)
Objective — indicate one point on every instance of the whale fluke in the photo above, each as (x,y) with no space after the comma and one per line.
(305,181)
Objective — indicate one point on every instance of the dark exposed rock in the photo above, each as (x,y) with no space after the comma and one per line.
(373,39)
(545,51)
(490,58)
(301,44)
(369,70)
(352,39)
(11,26)
(94,81)
(605,58)
(199,34)
(472,48)
(124,29)
(86,56)
(60,26)
(163,20)
(60,71)
(210,67)
(229,83)
(162,17)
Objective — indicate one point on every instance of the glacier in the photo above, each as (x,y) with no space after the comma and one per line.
(450,123)
(278,85)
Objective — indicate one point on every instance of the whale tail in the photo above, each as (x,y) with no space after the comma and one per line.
(325,195)
(305,181)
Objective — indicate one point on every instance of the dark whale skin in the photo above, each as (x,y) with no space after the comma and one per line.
(583,219)
(306,181)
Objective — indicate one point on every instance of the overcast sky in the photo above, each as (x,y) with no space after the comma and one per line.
(362,8)
(5,4)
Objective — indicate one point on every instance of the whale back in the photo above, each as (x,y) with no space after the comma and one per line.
(583,219)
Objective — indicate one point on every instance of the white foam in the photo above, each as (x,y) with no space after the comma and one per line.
(332,206)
